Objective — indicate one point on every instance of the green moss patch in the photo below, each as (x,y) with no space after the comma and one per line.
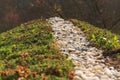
(27,52)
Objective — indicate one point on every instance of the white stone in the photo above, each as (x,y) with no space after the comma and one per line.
(77,78)
(108,72)
(105,77)
(71,49)
(78,72)
(89,74)
(117,74)
(92,78)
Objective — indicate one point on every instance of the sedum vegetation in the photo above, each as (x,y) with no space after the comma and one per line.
(28,52)
(101,38)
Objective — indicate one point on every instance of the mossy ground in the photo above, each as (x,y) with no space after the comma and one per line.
(28,51)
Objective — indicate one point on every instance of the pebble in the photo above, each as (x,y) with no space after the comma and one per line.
(77,78)
(105,77)
(108,72)
(88,60)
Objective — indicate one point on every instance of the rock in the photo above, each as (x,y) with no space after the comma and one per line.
(98,67)
(117,74)
(83,49)
(71,50)
(105,77)
(92,78)
(74,57)
(90,53)
(77,78)
(95,78)
(89,74)
(108,72)
(78,72)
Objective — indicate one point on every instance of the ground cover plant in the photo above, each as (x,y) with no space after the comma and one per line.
(28,52)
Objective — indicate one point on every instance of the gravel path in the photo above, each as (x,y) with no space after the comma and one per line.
(88,61)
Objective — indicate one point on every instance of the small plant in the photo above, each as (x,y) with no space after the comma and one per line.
(109,45)
(115,38)
(51,36)
(101,41)
(116,42)
(93,38)
(1,66)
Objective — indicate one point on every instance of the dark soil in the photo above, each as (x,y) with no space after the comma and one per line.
(112,58)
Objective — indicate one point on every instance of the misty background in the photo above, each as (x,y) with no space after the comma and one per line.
(101,13)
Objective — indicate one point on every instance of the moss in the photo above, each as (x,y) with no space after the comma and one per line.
(30,46)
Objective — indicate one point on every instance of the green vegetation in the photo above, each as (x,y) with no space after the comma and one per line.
(28,52)
(100,38)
